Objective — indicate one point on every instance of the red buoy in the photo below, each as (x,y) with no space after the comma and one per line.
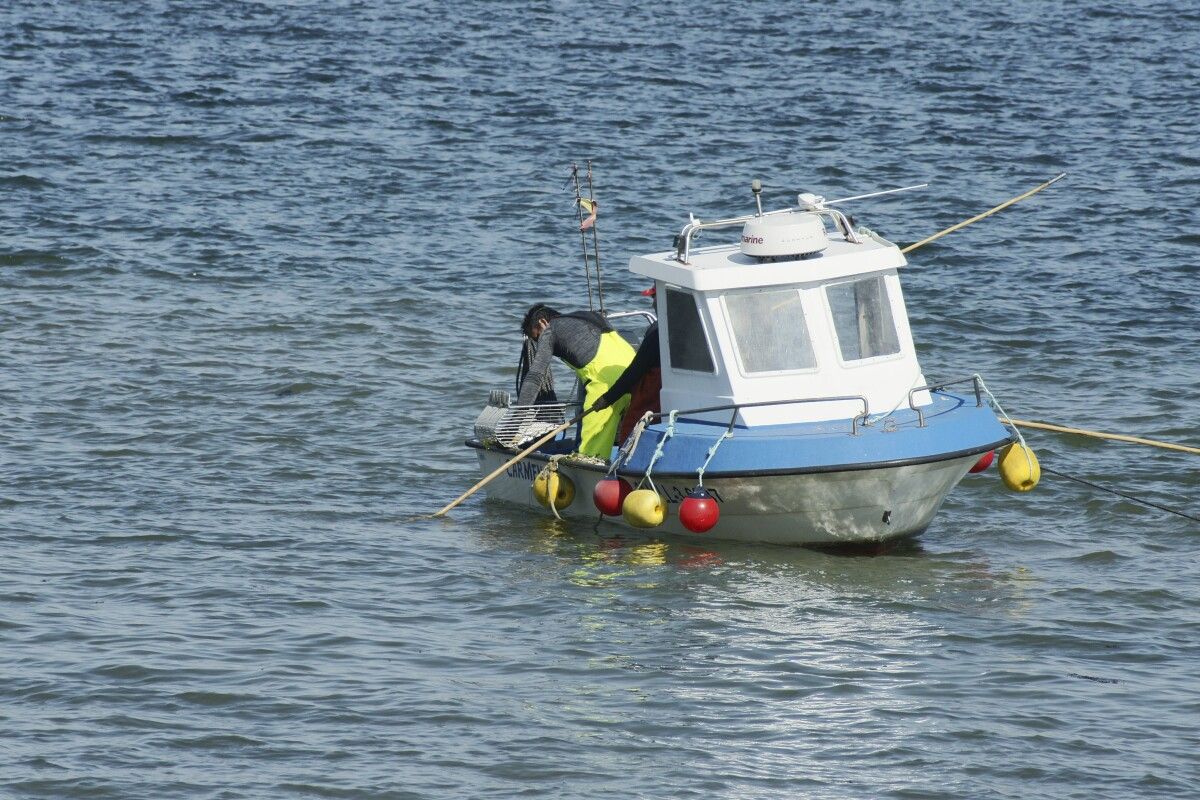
(699,512)
(609,495)
(984,461)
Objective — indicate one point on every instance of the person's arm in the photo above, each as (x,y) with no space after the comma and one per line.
(646,359)
(542,353)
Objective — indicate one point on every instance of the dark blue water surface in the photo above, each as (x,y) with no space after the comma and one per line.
(261,262)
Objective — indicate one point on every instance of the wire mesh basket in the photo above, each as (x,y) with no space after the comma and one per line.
(513,426)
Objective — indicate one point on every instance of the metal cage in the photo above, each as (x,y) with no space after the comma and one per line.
(513,426)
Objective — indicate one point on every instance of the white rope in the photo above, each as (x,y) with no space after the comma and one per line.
(631,443)
(903,400)
(552,466)
(1004,414)
(658,451)
(1008,421)
(712,451)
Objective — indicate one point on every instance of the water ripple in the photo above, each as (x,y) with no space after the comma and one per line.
(260,265)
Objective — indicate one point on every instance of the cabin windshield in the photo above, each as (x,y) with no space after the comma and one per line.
(770,331)
(862,319)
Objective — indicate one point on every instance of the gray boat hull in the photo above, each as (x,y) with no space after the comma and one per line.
(813,508)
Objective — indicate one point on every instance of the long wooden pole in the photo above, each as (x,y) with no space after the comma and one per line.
(519,456)
(978,217)
(1045,426)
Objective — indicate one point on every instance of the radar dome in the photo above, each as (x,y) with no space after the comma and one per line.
(777,235)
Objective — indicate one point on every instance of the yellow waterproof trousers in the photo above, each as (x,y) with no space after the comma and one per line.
(600,427)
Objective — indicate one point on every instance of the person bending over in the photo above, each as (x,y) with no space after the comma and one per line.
(597,354)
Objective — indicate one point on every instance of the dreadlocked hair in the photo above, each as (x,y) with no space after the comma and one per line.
(536,313)
(546,393)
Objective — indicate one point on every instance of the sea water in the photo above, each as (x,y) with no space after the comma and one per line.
(260,264)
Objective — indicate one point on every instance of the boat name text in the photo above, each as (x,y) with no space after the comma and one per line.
(525,470)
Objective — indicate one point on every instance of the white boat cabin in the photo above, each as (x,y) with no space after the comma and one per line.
(792,311)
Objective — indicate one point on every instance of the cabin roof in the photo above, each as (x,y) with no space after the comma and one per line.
(725,267)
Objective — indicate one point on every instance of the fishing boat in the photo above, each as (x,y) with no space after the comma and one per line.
(794,407)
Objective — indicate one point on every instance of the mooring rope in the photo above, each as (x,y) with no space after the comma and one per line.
(552,466)
(1126,495)
(1118,437)
(901,402)
(631,444)
(658,451)
(1014,423)
(712,451)
(1020,437)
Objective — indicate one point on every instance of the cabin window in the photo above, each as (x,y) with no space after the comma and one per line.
(862,319)
(686,342)
(769,330)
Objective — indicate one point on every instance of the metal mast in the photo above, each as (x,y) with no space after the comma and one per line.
(590,260)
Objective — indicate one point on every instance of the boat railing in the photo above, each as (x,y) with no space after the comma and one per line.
(933,387)
(736,407)
(650,317)
(683,242)
(621,316)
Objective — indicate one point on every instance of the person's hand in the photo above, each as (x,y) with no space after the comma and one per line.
(600,404)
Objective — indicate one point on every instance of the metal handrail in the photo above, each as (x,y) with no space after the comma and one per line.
(736,407)
(683,246)
(650,317)
(933,387)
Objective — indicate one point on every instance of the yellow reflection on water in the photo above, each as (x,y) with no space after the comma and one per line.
(648,554)
(610,560)
(599,557)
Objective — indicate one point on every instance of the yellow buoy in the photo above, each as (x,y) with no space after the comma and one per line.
(552,483)
(644,508)
(1019,468)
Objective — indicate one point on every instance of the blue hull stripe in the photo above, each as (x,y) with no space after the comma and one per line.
(954,427)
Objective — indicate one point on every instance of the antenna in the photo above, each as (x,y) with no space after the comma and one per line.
(875,194)
(756,187)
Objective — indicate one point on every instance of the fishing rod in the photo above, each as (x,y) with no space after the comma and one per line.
(587,225)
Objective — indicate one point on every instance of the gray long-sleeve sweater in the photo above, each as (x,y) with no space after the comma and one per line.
(573,339)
